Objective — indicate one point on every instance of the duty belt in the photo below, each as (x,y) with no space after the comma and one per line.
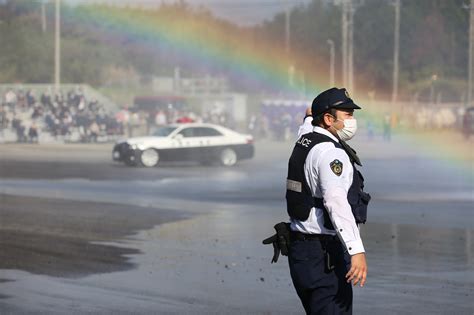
(298,236)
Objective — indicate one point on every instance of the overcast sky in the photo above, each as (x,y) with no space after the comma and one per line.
(243,12)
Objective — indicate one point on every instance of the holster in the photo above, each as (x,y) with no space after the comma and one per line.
(280,240)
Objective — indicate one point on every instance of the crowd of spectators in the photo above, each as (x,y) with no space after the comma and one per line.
(62,115)
(140,122)
(278,120)
(28,115)
(72,116)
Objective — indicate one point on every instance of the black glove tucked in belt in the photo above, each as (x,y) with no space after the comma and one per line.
(280,240)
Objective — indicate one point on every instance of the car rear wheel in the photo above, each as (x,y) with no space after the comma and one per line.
(149,157)
(228,157)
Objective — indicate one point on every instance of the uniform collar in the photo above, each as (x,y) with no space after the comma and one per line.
(325,132)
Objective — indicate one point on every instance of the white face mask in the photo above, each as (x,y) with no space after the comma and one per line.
(349,130)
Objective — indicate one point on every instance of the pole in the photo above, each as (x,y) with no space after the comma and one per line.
(291,68)
(332,53)
(396,51)
(287,28)
(43,17)
(471,48)
(350,49)
(291,75)
(57,52)
(344,42)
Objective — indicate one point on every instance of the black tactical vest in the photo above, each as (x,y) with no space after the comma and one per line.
(299,199)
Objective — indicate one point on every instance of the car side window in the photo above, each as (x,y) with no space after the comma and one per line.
(207,132)
(191,132)
(200,132)
(187,132)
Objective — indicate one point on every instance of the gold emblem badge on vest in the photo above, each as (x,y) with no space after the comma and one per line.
(336,167)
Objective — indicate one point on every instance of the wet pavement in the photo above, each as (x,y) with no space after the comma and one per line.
(184,238)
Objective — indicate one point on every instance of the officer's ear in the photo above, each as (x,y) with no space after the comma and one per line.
(328,119)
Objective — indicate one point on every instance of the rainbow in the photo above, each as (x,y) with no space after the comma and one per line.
(214,43)
(208,42)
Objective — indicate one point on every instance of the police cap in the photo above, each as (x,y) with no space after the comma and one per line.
(332,98)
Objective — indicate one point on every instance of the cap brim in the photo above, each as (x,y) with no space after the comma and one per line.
(347,105)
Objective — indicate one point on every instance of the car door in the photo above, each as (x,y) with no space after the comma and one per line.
(188,143)
(210,140)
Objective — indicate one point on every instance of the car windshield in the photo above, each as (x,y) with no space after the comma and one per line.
(164,131)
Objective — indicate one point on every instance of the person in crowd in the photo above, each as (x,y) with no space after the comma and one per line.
(33,133)
(18,126)
(94,131)
(160,118)
(10,98)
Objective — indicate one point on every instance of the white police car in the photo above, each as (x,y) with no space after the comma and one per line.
(200,142)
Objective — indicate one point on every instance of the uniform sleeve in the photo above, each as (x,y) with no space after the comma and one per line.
(335,176)
(306,127)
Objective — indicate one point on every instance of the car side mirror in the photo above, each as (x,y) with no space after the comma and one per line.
(178,137)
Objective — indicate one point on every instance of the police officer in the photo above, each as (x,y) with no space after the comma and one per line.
(325,201)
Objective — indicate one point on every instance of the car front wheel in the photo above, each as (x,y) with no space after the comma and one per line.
(149,157)
(228,157)
(130,160)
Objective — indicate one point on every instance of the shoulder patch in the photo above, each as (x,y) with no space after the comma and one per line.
(336,167)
